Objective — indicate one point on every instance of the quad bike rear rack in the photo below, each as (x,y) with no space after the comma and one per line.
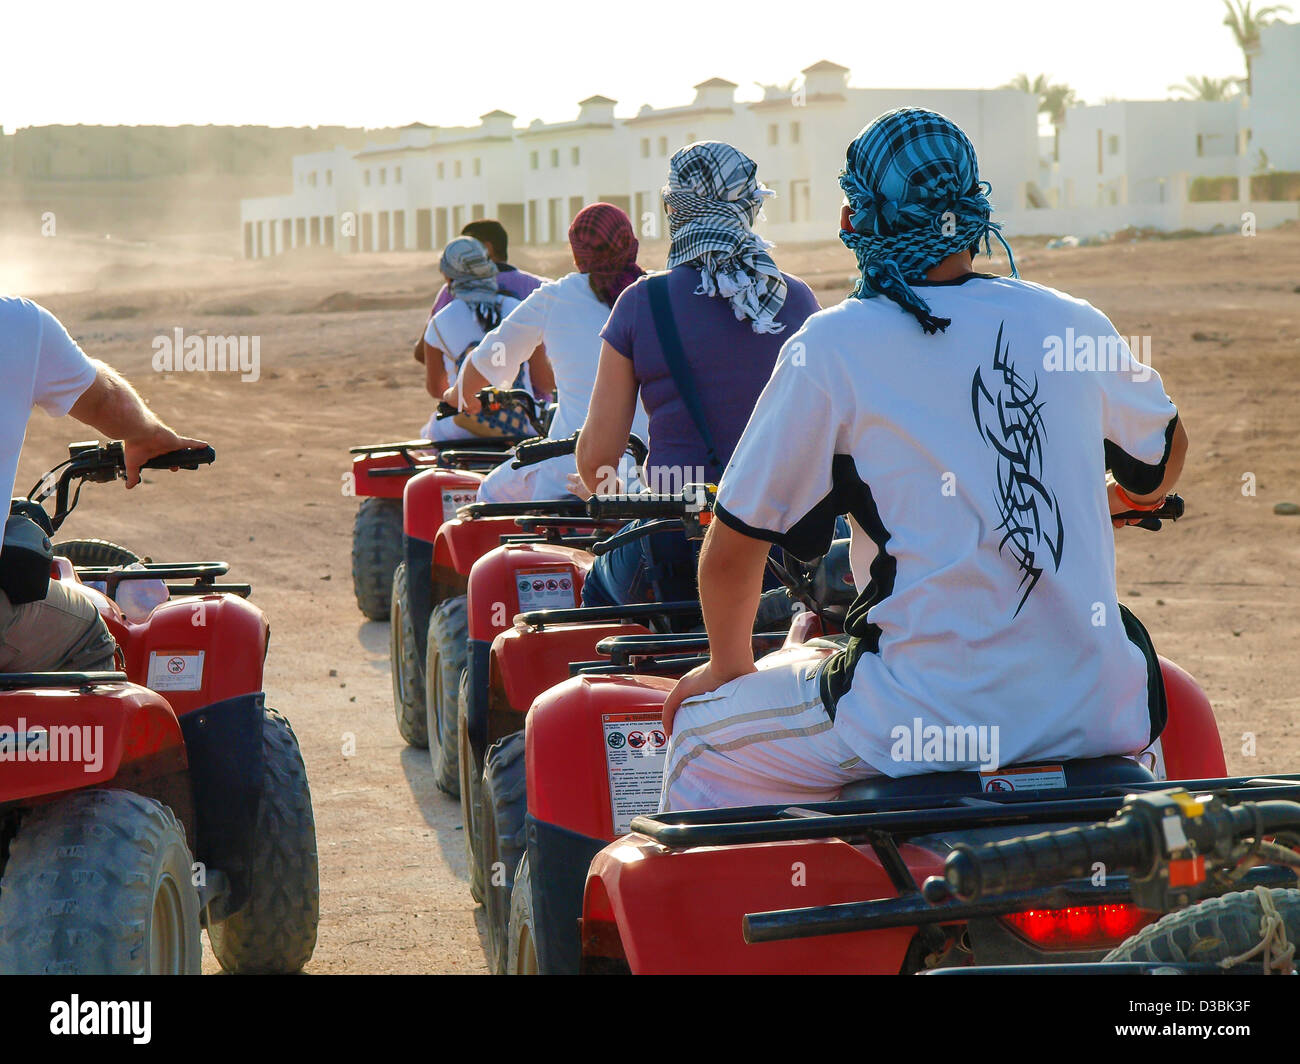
(34,681)
(882,823)
(203,574)
(539,620)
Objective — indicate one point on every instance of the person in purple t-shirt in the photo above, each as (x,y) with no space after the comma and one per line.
(732,308)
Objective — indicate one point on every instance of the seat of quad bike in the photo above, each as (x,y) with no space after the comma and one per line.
(1085,772)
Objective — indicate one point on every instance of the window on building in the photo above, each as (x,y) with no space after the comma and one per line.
(311,179)
(397,175)
(555,157)
(774,134)
(663,145)
(1112,145)
(365,178)
(383,175)
(455,168)
(794,132)
(690,138)
(1200,144)
(575,155)
(329,177)
(478,167)
(532,160)
(645,147)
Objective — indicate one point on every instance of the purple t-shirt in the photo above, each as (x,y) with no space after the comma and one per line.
(729,361)
(511,281)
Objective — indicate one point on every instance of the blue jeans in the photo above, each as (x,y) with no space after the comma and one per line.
(655,568)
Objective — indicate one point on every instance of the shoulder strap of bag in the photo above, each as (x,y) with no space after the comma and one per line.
(671,343)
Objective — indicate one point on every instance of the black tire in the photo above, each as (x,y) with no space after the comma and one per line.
(470,790)
(446,656)
(376,551)
(1211,931)
(275,932)
(95,552)
(521,937)
(505,801)
(404,662)
(100,883)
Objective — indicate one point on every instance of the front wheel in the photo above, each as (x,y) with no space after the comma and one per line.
(1212,931)
(446,657)
(503,807)
(96,552)
(275,932)
(100,883)
(521,938)
(471,796)
(376,552)
(404,662)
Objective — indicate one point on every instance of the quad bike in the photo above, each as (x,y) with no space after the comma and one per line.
(594,753)
(433,488)
(141,805)
(379,473)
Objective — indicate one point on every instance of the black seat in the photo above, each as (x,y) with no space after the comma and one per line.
(1086,772)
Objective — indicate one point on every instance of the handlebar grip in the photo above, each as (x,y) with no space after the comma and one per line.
(1170,510)
(972,872)
(185,458)
(527,454)
(632,507)
(446,410)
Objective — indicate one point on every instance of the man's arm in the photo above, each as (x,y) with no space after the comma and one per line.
(731,581)
(111,406)
(603,438)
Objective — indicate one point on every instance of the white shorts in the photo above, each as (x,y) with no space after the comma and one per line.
(762,739)
(545,480)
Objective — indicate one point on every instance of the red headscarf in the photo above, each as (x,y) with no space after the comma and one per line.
(604,247)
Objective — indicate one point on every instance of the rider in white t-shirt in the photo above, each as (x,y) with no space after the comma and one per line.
(41,365)
(938,414)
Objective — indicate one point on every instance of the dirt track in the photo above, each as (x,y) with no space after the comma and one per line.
(1218,591)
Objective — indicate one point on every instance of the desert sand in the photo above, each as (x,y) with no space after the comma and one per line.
(1218,591)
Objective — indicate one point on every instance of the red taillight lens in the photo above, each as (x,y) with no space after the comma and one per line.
(1079,927)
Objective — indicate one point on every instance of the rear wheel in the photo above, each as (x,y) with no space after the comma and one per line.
(504,803)
(446,656)
(404,662)
(1211,931)
(376,551)
(99,883)
(521,938)
(95,552)
(275,932)
(470,791)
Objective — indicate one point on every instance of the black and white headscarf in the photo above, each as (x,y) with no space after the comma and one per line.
(714,196)
(473,278)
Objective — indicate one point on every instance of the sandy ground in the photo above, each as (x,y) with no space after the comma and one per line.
(1218,591)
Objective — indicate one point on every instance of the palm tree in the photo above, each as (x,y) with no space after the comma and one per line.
(1200,87)
(1246,24)
(1053,99)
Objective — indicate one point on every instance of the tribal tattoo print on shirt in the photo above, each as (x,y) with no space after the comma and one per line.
(1009,417)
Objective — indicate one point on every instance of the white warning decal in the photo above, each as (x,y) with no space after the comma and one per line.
(454,498)
(175,672)
(1026,778)
(635,746)
(545,589)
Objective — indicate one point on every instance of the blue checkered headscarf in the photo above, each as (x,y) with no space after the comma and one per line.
(714,195)
(912,182)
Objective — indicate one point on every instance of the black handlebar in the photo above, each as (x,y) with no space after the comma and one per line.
(694,499)
(185,458)
(1170,510)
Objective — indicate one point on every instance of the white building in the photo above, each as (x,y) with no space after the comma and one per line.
(1109,166)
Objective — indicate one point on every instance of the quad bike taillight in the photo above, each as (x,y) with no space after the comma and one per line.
(1080,927)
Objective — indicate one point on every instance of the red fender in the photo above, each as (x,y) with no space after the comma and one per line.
(459,544)
(367,486)
(496,588)
(117,732)
(430,499)
(1190,744)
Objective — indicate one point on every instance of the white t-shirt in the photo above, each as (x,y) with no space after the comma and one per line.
(453,331)
(40,365)
(566,316)
(972,467)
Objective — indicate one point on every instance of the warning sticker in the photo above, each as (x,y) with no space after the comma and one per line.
(545,589)
(175,672)
(635,746)
(1027,778)
(454,498)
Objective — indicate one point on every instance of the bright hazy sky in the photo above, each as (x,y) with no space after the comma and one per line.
(380,62)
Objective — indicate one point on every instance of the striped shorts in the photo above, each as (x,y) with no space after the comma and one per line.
(762,739)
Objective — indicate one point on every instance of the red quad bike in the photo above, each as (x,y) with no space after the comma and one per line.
(674,895)
(524,633)
(140,805)
(431,489)
(378,475)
